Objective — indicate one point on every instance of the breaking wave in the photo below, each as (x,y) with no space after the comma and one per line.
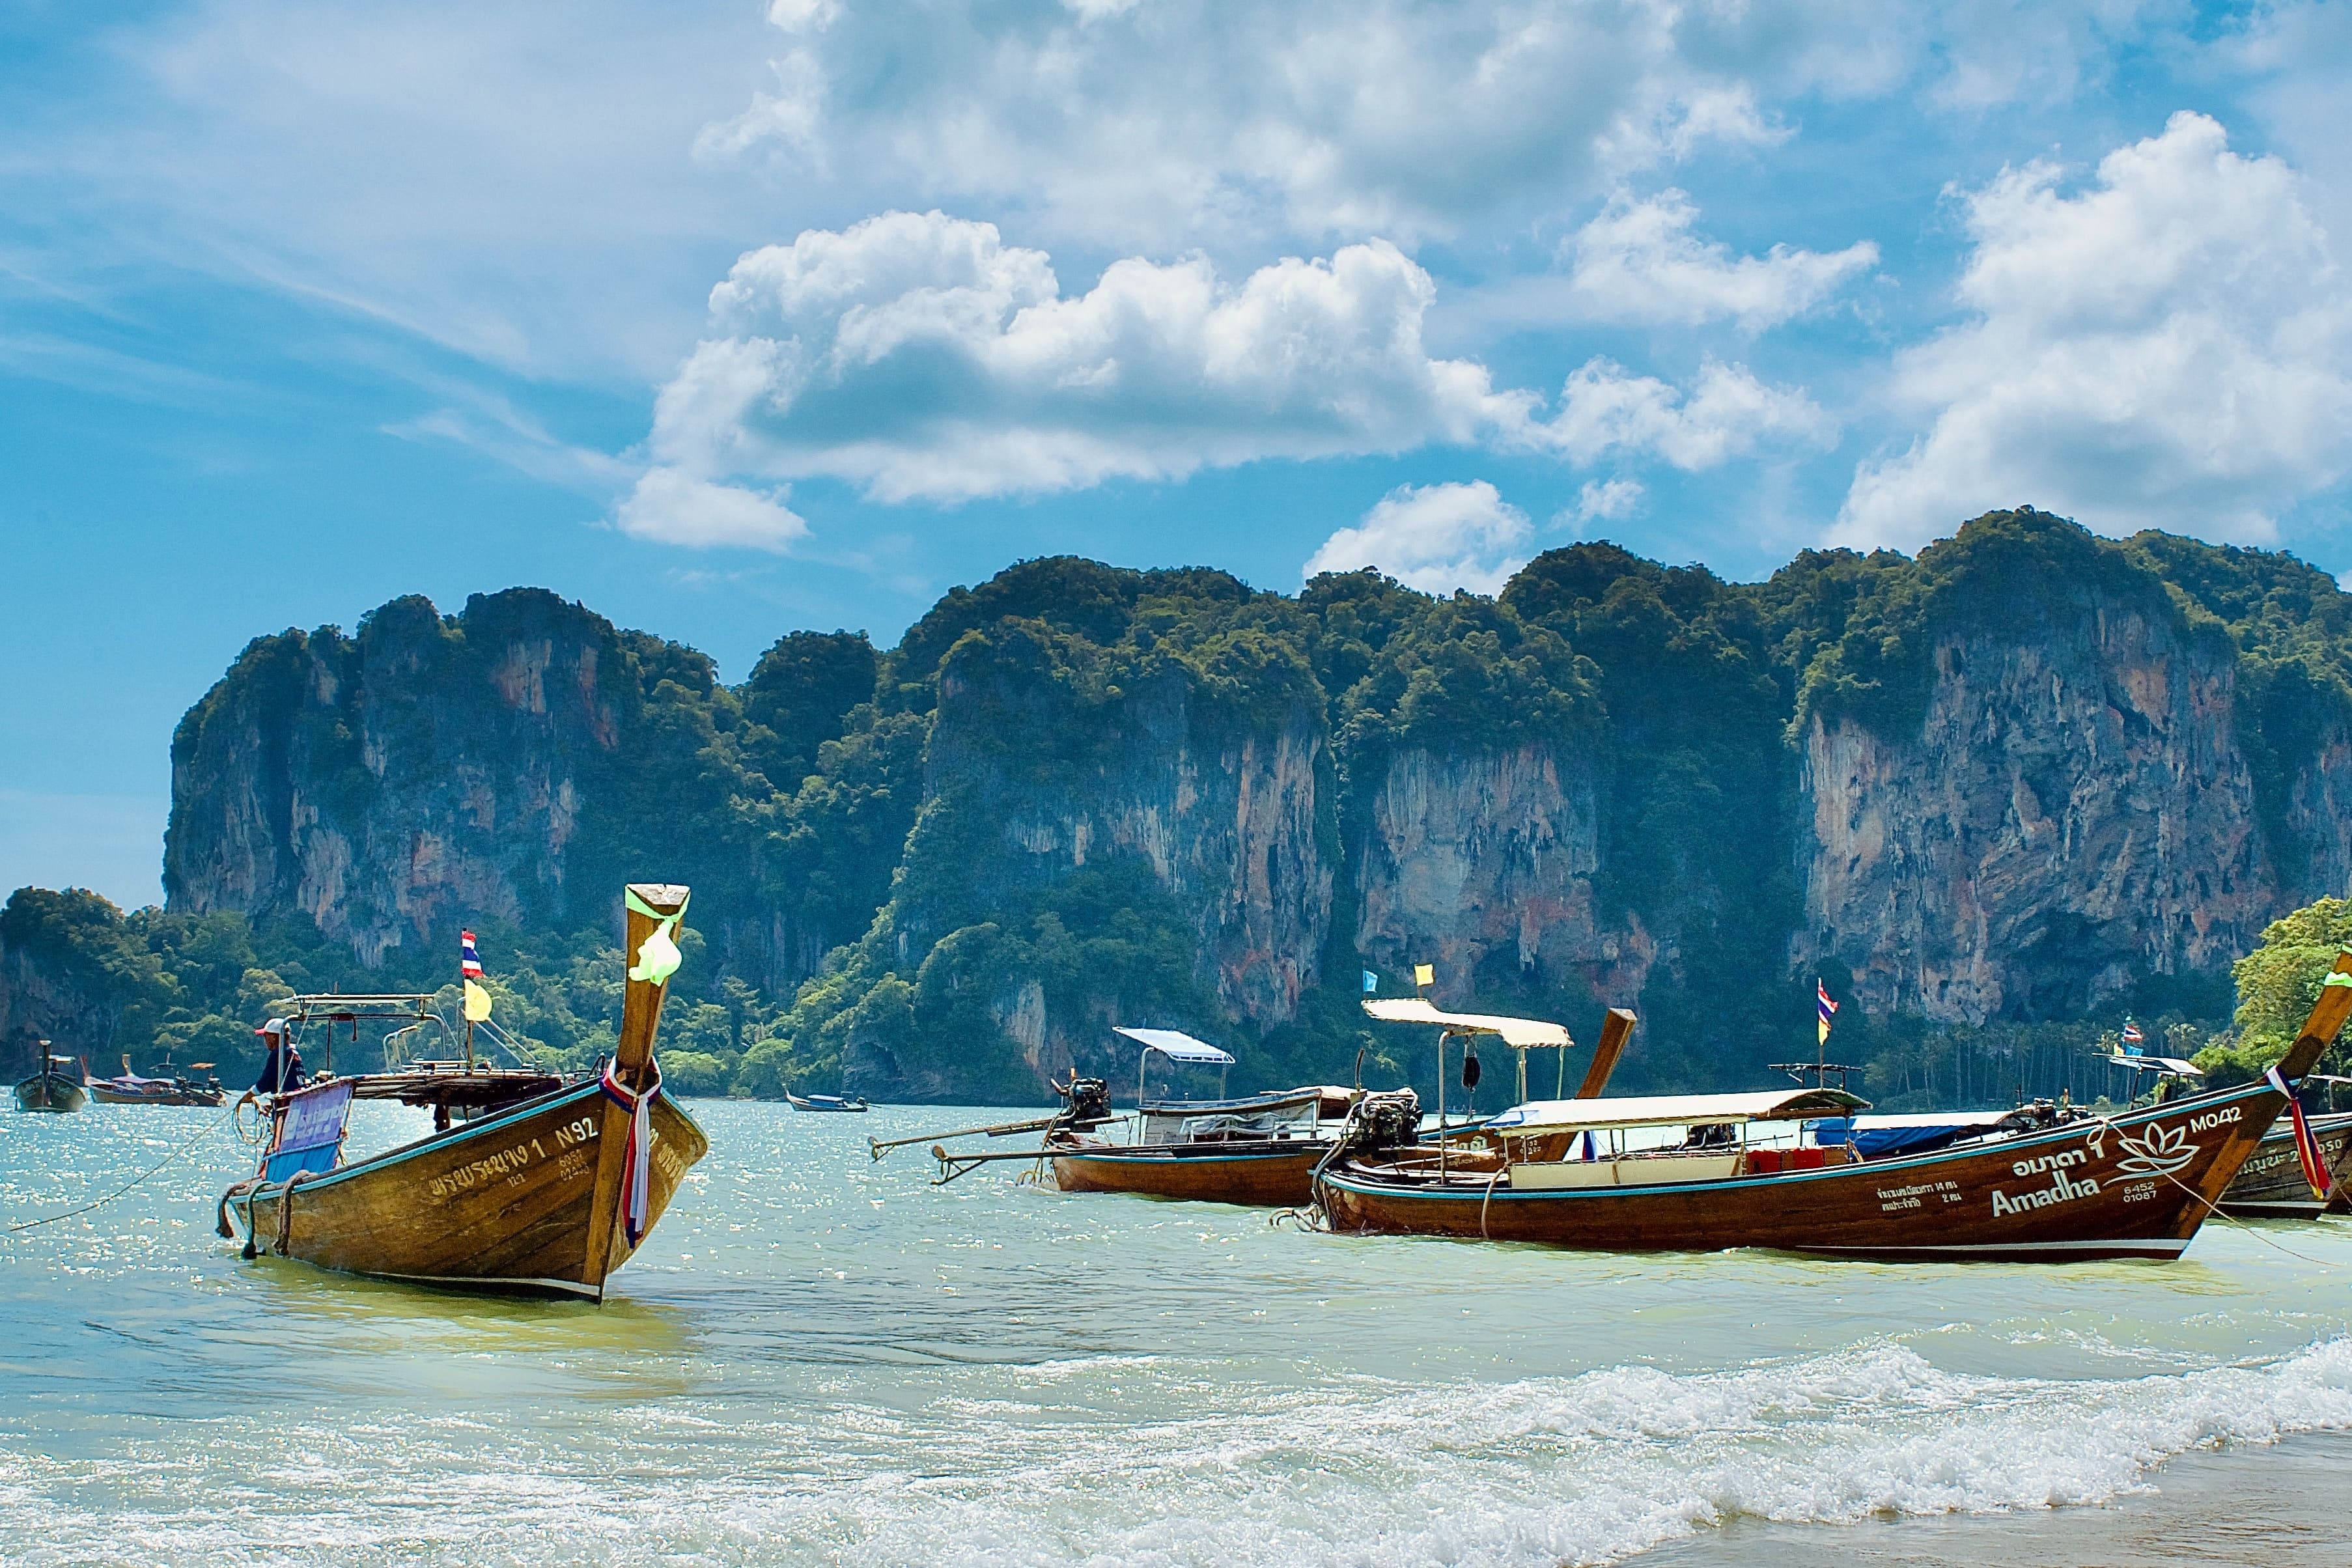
(1584,1469)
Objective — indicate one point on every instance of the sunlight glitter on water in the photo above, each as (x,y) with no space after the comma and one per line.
(818,1358)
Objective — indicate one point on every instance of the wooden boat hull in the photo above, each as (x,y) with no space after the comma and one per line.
(1275,1177)
(2135,1185)
(50,1091)
(110,1094)
(838,1108)
(2270,1183)
(510,1203)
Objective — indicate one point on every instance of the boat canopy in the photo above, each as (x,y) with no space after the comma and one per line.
(1522,1033)
(2173,1065)
(1677,1109)
(1177,1046)
(1873,1137)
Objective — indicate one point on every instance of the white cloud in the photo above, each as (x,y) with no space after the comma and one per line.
(1639,261)
(1436,538)
(918,355)
(510,182)
(2166,348)
(671,508)
(1607,411)
(1606,500)
(1185,121)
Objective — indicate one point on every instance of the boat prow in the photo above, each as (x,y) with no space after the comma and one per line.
(547,1197)
(52,1088)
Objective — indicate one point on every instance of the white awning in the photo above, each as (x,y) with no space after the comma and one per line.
(2158,1064)
(1523,1033)
(1677,1109)
(1177,1047)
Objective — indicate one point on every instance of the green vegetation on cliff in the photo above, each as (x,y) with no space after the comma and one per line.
(1077,795)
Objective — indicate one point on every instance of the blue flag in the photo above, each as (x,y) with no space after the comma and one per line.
(1371,982)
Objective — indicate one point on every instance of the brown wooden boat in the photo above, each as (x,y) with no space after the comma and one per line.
(1599,1174)
(53,1089)
(1262,1150)
(547,1197)
(2271,1185)
(130,1088)
(1259,1150)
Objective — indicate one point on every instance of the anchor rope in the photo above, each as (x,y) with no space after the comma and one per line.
(207,1130)
(2241,1225)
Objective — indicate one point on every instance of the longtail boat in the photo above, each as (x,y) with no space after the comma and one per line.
(2274,1184)
(833,1102)
(53,1089)
(2280,1180)
(1259,1150)
(1256,1150)
(547,1197)
(130,1088)
(1684,1173)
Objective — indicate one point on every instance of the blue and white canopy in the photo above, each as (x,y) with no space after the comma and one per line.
(1177,1047)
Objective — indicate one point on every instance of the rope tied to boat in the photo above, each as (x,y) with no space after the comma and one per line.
(637,1154)
(209,1128)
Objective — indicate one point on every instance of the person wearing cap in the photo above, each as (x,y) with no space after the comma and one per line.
(281,1070)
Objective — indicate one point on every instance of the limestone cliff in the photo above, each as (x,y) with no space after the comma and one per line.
(2015,778)
(1033,779)
(2072,811)
(1493,854)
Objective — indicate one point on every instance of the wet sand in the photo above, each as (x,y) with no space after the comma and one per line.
(2283,1506)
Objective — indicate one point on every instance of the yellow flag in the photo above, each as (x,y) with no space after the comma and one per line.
(1424,975)
(477,1003)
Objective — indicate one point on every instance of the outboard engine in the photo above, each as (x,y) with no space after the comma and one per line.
(1389,1119)
(1086,1101)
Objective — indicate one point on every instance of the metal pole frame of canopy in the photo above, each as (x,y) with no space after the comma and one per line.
(1177,1046)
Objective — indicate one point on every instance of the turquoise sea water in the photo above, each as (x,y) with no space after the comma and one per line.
(819,1359)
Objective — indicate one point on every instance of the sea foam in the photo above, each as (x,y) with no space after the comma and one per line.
(1583,1469)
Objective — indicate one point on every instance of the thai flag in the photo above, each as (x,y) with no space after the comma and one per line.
(469,963)
(1828,1007)
(2132,1038)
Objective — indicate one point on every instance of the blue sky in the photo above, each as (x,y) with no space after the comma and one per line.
(732,320)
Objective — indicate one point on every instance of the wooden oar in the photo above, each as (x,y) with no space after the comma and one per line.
(1615,1032)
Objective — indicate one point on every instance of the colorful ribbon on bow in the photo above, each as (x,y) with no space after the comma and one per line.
(2307,1142)
(637,1154)
(658,955)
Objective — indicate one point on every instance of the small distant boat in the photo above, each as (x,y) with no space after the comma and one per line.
(130,1088)
(53,1089)
(828,1102)
(547,1195)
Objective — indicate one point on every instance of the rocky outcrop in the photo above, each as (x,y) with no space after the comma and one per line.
(2072,813)
(2317,822)
(387,785)
(1493,853)
(1029,782)
(2010,779)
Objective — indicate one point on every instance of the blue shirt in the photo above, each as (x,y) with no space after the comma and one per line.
(280,1071)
